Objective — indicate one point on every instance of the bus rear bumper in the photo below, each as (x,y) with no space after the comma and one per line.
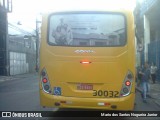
(124,103)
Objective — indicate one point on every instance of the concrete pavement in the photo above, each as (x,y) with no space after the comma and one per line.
(15,77)
(153,93)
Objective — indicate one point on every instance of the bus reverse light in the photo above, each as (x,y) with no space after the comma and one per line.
(125,90)
(46,87)
(57,104)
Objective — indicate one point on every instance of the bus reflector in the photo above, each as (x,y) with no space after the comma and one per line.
(66,102)
(103,104)
(107,104)
(128,83)
(85,62)
(63,101)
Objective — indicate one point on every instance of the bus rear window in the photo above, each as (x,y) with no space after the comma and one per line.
(87,29)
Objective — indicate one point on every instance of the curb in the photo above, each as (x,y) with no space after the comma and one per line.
(16,77)
(7,79)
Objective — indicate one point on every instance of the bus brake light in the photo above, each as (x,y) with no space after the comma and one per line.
(127,83)
(85,62)
(45,80)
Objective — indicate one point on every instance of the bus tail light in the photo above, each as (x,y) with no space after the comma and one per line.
(45,82)
(127,85)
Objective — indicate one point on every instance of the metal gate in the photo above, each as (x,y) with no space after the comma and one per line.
(18,64)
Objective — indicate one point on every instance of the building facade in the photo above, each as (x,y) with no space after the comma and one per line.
(5,7)
(21,54)
(147,18)
(17,46)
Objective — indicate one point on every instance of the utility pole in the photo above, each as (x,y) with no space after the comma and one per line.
(37,44)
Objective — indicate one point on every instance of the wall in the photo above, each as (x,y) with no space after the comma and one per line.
(3,47)
(154,54)
(22,54)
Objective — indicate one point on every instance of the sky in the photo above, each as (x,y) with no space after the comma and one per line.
(26,11)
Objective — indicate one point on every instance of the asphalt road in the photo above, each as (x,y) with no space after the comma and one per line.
(23,95)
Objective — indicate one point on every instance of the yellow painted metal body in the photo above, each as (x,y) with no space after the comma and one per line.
(106,72)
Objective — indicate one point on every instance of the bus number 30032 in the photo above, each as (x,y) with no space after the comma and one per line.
(105,93)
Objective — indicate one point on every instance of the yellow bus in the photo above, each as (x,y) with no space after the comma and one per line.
(87,60)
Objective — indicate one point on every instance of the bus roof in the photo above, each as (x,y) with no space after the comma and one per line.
(90,5)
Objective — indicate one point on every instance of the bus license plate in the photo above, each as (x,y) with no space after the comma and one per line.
(84,87)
